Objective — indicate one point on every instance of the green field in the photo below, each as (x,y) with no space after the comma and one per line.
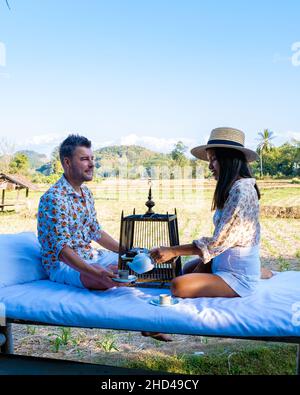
(280,250)
(280,237)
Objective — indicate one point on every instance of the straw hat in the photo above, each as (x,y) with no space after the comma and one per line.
(225,138)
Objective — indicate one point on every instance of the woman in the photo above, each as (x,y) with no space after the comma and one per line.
(228,263)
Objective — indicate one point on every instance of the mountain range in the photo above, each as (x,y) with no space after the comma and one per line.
(107,157)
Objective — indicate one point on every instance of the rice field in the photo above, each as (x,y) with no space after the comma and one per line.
(284,196)
(280,237)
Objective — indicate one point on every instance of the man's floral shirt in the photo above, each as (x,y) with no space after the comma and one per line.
(66,218)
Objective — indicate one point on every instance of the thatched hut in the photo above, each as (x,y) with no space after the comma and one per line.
(9,182)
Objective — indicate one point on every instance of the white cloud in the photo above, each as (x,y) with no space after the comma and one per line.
(100,144)
(43,139)
(286,136)
(294,135)
(43,143)
(289,134)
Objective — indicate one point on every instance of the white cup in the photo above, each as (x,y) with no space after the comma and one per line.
(141,263)
(123,274)
(164,299)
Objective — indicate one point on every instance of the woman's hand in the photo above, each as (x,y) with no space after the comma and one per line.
(162,254)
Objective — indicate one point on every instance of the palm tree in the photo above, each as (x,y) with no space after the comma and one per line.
(264,145)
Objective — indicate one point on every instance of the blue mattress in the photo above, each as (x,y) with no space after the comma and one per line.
(274,310)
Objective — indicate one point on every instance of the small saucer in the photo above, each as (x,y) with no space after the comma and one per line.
(131,278)
(155,302)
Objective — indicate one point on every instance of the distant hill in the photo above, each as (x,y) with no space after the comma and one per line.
(110,160)
(134,154)
(36,160)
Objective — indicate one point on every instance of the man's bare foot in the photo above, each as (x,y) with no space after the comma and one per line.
(158,336)
(265,273)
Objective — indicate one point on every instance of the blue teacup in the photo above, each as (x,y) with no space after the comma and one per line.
(141,263)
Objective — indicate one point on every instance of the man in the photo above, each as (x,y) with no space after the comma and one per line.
(67,223)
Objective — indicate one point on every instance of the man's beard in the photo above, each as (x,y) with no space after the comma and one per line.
(88,176)
(83,176)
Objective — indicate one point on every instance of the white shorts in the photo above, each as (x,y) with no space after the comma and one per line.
(67,275)
(239,267)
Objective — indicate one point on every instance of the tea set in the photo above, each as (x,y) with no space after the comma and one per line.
(142,263)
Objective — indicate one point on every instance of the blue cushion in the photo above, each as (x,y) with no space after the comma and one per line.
(20,259)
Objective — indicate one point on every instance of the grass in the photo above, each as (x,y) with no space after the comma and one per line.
(285,197)
(108,343)
(62,339)
(284,265)
(31,330)
(251,360)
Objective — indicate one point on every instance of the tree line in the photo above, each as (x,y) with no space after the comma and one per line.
(282,161)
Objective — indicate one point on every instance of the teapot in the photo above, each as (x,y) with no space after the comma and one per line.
(141,263)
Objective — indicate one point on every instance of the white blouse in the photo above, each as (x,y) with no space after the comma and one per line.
(237,224)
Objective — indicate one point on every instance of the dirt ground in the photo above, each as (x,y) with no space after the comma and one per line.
(107,346)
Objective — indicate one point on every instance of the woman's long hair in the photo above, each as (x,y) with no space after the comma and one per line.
(233,165)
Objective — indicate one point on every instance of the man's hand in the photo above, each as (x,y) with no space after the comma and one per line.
(162,254)
(92,276)
(100,278)
(113,268)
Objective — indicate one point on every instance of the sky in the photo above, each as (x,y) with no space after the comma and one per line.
(147,72)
